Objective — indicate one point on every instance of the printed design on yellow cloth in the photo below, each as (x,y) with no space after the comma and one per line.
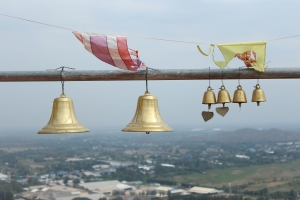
(252,53)
(246,57)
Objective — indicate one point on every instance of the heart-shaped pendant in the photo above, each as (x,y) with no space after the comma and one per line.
(222,111)
(207,115)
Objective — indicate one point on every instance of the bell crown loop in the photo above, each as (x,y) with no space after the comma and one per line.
(209,88)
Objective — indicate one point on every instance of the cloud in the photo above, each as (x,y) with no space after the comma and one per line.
(197,129)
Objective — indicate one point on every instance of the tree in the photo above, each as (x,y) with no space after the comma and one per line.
(169,194)
(66,179)
(76,181)
(52,197)
(118,198)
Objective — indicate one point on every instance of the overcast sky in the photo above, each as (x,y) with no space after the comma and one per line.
(27,46)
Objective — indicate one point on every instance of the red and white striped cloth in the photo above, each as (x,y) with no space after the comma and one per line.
(110,49)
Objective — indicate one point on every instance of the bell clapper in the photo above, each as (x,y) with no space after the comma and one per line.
(147,132)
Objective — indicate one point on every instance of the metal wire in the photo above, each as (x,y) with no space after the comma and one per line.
(222,77)
(209,76)
(239,75)
(147,76)
(61,77)
(37,22)
(146,79)
(147,38)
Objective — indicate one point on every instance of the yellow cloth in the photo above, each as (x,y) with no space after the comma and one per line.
(229,51)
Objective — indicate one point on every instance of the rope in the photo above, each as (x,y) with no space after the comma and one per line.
(168,40)
(37,22)
(161,39)
(146,38)
(284,38)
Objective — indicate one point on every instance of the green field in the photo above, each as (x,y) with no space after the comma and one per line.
(261,176)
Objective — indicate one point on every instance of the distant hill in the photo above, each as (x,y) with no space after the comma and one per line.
(251,135)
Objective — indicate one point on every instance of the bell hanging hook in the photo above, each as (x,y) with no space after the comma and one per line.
(61,77)
(209,76)
(147,76)
(147,79)
(239,81)
(222,77)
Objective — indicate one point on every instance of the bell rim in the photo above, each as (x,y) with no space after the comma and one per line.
(65,132)
(131,127)
(141,131)
(259,101)
(223,102)
(63,128)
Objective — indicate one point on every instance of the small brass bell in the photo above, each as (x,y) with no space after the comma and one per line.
(209,97)
(223,97)
(147,117)
(258,95)
(63,118)
(239,96)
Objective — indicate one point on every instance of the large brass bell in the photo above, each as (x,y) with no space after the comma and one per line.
(63,118)
(258,95)
(223,97)
(239,96)
(147,117)
(209,97)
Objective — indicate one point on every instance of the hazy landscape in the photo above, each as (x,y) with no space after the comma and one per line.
(250,160)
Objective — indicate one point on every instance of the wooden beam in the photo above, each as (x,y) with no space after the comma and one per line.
(161,74)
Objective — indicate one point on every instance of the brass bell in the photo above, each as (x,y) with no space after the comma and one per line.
(223,96)
(147,117)
(239,96)
(258,95)
(209,97)
(63,118)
